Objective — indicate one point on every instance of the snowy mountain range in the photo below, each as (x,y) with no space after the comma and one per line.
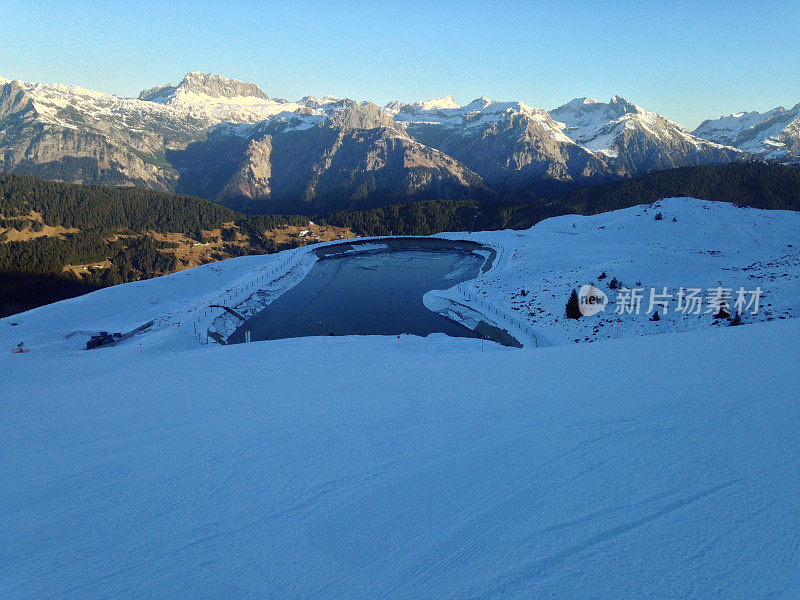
(773,135)
(228,141)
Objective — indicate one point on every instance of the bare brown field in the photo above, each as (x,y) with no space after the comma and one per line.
(13,235)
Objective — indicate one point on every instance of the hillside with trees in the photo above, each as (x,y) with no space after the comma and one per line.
(756,184)
(59,239)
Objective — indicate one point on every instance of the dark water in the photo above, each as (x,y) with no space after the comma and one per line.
(373,293)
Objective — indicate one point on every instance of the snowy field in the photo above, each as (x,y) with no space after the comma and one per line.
(708,245)
(652,466)
(662,466)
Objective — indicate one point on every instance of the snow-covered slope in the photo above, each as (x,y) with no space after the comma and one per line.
(662,466)
(774,134)
(585,118)
(359,467)
(696,244)
(75,107)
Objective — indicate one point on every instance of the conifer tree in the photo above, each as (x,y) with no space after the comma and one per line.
(573,306)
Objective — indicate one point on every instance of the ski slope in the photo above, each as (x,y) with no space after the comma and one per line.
(657,466)
(351,468)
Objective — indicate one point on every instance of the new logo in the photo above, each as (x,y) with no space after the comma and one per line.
(591,300)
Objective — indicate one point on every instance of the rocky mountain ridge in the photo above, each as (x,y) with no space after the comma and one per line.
(229,141)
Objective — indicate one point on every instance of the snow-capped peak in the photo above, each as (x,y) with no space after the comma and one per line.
(617,99)
(620,106)
(480,113)
(739,115)
(585,103)
(479,103)
(445,102)
(434,104)
(600,126)
(207,85)
(218,86)
(581,109)
(325,101)
(219,98)
(4,81)
(725,129)
(328,99)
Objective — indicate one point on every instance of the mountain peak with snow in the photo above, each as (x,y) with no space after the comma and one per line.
(445,102)
(620,129)
(366,116)
(774,134)
(585,103)
(326,101)
(4,81)
(216,98)
(433,104)
(617,99)
(508,143)
(479,103)
(581,111)
(220,86)
(205,84)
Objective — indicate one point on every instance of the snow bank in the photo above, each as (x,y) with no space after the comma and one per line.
(708,244)
(178,304)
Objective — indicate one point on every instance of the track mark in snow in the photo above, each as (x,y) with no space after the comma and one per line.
(480,528)
(540,567)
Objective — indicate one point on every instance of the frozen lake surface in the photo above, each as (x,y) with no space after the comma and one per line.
(368,293)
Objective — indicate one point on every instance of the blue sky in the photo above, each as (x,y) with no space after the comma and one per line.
(686,60)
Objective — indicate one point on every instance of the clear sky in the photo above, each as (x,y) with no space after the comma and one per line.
(685,60)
